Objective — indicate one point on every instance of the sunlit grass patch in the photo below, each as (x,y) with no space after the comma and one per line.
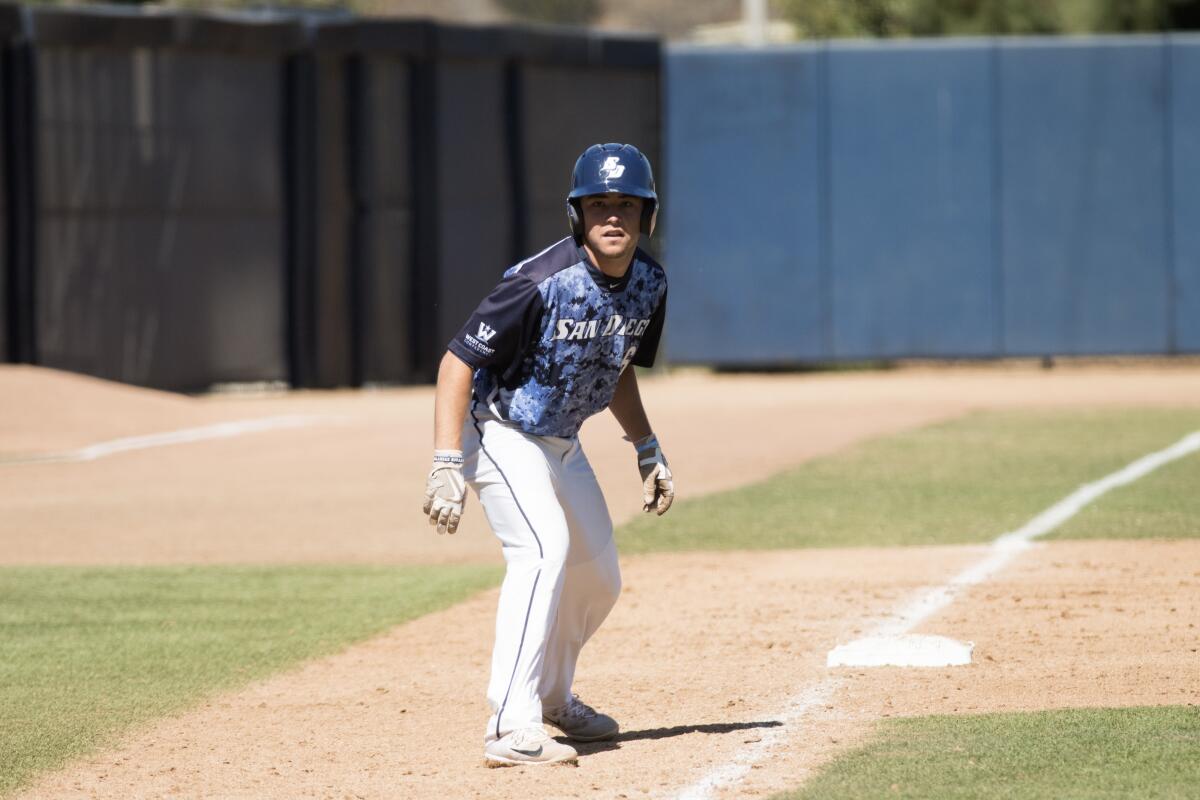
(1076,753)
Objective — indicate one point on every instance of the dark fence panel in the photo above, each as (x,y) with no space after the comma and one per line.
(334,104)
(910,159)
(385,217)
(7,30)
(382,68)
(741,200)
(1084,210)
(1185,184)
(16,190)
(557,83)
(160,206)
(474,236)
(353,244)
(304,219)
(322,201)
(322,269)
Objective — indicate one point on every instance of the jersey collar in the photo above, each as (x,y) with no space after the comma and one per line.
(606,282)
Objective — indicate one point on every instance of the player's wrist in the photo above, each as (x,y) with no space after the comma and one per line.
(448,457)
(649,451)
(643,442)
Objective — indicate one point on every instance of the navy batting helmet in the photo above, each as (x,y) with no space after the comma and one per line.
(617,168)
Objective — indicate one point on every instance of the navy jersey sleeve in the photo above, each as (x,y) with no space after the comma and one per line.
(648,347)
(502,328)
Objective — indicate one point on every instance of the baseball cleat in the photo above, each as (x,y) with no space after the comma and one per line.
(579,721)
(528,746)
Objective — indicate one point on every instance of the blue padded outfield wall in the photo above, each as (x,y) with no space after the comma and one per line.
(743,225)
(1083,176)
(1185,191)
(910,201)
(942,198)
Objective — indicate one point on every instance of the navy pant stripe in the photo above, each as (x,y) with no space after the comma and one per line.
(536,578)
(524,630)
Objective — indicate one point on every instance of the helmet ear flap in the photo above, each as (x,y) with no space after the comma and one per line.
(649,217)
(575,217)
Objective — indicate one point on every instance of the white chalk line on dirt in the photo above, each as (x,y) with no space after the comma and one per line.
(1001,551)
(220,430)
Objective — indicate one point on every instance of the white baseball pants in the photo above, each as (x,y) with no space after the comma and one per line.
(542,501)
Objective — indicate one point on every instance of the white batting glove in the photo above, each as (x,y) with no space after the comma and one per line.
(445,490)
(658,485)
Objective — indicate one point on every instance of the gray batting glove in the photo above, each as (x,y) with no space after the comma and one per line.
(658,485)
(445,490)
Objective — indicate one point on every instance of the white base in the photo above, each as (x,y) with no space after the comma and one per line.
(909,650)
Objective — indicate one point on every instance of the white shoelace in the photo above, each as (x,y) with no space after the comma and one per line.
(528,736)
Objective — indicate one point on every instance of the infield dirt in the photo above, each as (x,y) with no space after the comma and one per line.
(348,488)
(700,655)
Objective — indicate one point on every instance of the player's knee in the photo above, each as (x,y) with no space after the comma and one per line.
(611,585)
(554,552)
(606,577)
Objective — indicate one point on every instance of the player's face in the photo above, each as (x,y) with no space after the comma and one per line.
(611,223)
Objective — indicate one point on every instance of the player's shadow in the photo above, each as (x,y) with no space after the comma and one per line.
(666,733)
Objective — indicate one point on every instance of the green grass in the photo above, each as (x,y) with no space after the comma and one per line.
(968,480)
(1094,753)
(88,653)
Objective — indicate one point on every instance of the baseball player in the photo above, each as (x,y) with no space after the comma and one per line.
(549,347)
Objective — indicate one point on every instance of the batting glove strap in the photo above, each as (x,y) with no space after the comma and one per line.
(648,450)
(658,484)
(448,457)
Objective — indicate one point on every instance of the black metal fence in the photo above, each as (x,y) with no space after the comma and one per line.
(188,200)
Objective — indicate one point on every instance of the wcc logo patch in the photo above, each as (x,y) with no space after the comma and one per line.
(612,168)
(479,342)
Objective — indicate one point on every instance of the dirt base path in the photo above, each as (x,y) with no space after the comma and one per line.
(698,662)
(347,488)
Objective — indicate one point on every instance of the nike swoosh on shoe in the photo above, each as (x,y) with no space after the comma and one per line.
(530,753)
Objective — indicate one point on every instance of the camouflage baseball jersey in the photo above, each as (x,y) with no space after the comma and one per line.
(550,341)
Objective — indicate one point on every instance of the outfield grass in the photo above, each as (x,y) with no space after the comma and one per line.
(88,653)
(1092,753)
(968,480)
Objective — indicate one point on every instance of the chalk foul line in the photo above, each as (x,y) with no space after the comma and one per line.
(220,430)
(1001,551)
